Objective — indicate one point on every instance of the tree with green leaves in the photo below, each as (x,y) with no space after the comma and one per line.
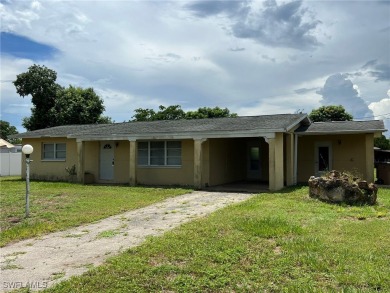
(175,112)
(40,83)
(207,112)
(6,129)
(75,105)
(382,142)
(54,105)
(330,113)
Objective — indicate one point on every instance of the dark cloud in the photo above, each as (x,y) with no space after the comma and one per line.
(172,55)
(369,64)
(380,71)
(208,8)
(385,29)
(279,26)
(338,90)
(266,57)
(237,49)
(275,25)
(303,91)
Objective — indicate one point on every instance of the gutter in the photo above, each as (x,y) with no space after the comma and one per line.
(340,132)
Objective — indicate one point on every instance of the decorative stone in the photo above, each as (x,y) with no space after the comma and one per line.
(338,187)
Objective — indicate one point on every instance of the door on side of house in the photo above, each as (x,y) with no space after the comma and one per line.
(253,162)
(323,158)
(107,151)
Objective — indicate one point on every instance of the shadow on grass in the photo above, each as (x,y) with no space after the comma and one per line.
(12,179)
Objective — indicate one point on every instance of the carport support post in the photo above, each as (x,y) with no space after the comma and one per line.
(80,161)
(198,166)
(369,146)
(132,163)
(276,172)
(289,159)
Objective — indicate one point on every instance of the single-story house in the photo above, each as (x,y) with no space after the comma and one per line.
(280,150)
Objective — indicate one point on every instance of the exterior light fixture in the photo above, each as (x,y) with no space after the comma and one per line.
(27,150)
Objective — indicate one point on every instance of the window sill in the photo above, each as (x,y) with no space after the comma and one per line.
(159,167)
(53,160)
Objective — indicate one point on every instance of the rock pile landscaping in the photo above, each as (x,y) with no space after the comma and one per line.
(339,187)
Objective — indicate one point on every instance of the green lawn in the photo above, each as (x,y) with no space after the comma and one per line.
(57,205)
(280,242)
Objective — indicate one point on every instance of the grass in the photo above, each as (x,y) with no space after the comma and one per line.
(277,242)
(57,206)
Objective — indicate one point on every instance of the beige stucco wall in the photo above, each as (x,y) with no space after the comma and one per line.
(183,175)
(122,161)
(91,158)
(50,170)
(350,152)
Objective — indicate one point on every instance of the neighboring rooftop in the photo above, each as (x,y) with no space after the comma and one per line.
(264,123)
(342,127)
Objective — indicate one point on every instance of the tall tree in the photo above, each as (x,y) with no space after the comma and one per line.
(330,113)
(6,129)
(54,105)
(175,112)
(40,83)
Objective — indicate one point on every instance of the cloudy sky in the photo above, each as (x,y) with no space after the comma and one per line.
(254,57)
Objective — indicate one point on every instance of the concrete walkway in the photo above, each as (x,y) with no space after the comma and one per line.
(41,262)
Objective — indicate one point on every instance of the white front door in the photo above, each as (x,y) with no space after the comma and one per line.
(107,149)
(323,158)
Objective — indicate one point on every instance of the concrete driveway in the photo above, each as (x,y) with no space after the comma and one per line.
(42,262)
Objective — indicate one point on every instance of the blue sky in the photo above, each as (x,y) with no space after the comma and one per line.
(24,48)
(254,57)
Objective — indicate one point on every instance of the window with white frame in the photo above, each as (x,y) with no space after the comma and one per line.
(159,153)
(54,151)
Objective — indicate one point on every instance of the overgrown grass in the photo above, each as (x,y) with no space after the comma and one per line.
(58,205)
(280,242)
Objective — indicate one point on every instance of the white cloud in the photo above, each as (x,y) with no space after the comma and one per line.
(381,111)
(36,5)
(339,90)
(146,53)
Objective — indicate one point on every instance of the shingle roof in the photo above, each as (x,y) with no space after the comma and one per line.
(264,123)
(341,127)
(223,126)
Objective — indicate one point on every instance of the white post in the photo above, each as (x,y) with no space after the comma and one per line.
(27,185)
(27,150)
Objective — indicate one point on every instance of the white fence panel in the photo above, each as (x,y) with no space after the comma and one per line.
(11,164)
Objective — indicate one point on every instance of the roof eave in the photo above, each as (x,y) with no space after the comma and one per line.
(184,135)
(341,132)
